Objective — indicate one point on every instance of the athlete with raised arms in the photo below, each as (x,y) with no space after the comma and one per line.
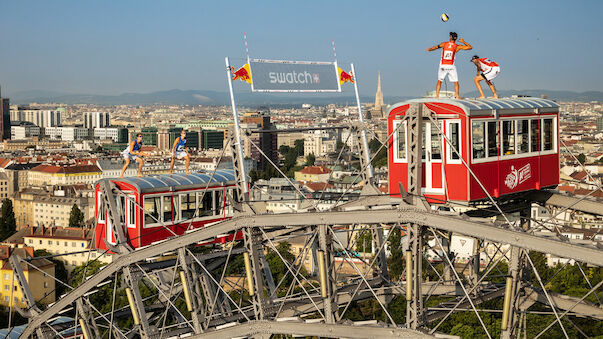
(447,67)
(179,151)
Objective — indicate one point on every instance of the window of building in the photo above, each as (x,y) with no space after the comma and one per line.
(30,241)
(152,208)
(65,244)
(455,140)
(206,205)
(45,284)
(6,287)
(535,135)
(548,135)
(73,244)
(508,130)
(49,242)
(523,133)
(478,139)
(6,298)
(40,242)
(188,205)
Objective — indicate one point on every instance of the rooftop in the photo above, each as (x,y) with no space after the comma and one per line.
(177,181)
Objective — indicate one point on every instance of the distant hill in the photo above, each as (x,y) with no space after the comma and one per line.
(205,97)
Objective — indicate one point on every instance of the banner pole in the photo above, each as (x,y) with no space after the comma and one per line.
(237,131)
(367,155)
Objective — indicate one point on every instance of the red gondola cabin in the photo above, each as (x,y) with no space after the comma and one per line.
(172,205)
(510,146)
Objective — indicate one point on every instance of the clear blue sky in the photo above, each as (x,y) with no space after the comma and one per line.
(112,47)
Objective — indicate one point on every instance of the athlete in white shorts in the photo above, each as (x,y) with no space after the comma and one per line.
(447,67)
(486,70)
(179,151)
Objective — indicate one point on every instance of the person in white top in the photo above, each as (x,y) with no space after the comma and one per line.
(486,70)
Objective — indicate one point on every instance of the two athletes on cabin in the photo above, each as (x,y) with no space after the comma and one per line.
(486,69)
(134,152)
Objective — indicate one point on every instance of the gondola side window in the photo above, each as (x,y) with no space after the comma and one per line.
(400,141)
(492,138)
(508,129)
(523,145)
(131,212)
(454,147)
(548,135)
(101,208)
(436,141)
(152,211)
(169,212)
(188,205)
(206,204)
(478,139)
(535,135)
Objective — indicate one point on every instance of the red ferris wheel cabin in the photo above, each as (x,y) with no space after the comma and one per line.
(154,208)
(510,146)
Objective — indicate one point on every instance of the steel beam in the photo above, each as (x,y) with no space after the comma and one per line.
(551,198)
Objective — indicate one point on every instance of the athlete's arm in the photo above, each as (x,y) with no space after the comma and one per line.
(466,47)
(175,143)
(433,48)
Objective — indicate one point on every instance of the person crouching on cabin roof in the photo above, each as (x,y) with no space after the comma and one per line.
(447,67)
(486,70)
(179,151)
(134,152)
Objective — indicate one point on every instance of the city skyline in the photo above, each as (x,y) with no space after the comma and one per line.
(114,48)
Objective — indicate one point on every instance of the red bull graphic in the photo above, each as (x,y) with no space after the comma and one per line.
(243,74)
(517,177)
(345,76)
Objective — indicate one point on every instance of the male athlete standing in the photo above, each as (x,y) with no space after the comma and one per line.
(447,67)
(486,70)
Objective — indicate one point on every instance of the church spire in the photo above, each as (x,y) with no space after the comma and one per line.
(379,94)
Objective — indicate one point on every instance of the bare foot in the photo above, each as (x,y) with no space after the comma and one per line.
(140,175)
(482,97)
(121,176)
(187,172)
(495,96)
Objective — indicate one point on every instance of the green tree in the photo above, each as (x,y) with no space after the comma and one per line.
(284,149)
(380,159)
(299,146)
(339,145)
(76,218)
(278,267)
(290,159)
(60,272)
(8,224)
(364,240)
(310,159)
(582,158)
(395,262)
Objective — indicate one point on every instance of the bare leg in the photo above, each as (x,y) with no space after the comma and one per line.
(491,85)
(438,86)
(127,162)
(456,90)
(140,162)
(172,165)
(477,80)
(188,160)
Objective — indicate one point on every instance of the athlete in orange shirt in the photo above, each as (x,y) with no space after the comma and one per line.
(486,70)
(447,67)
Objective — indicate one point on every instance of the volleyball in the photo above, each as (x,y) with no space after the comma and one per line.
(444,17)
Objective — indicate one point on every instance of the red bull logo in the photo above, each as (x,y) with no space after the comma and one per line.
(345,77)
(242,74)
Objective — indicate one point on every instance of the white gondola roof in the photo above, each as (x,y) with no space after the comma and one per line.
(179,181)
(479,106)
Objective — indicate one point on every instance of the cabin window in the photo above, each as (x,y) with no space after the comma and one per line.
(152,208)
(492,138)
(131,212)
(220,203)
(400,141)
(101,208)
(523,133)
(206,205)
(478,139)
(508,129)
(436,141)
(169,212)
(548,135)
(535,135)
(455,140)
(121,208)
(188,206)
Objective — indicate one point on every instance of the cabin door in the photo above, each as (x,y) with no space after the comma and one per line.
(432,181)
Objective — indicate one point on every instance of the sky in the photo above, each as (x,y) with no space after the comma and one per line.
(126,46)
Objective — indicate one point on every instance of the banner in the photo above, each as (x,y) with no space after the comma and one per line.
(293,76)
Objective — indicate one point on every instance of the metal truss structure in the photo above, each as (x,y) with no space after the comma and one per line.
(179,288)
